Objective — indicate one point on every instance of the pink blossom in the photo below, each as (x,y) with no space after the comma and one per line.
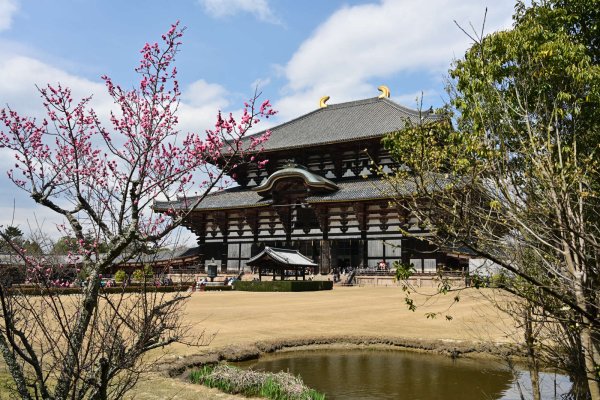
(88,169)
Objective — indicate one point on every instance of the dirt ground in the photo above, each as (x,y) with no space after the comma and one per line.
(243,318)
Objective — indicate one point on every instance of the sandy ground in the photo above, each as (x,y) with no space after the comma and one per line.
(242,318)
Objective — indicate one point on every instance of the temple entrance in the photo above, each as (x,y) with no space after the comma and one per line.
(346,254)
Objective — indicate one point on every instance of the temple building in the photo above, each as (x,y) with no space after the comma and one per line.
(318,194)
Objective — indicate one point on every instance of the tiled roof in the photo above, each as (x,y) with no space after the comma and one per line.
(343,122)
(229,198)
(362,189)
(282,256)
(358,189)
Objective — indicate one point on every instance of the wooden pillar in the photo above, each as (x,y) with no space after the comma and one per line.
(202,253)
(322,213)
(325,264)
(252,217)
(198,226)
(384,212)
(365,249)
(361,213)
(222,221)
(224,253)
(260,273)
(406,248)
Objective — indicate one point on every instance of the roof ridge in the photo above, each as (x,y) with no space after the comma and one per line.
(282,249)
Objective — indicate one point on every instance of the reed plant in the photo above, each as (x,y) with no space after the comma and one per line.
(275,386)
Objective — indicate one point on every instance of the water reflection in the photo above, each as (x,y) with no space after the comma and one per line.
(378,374)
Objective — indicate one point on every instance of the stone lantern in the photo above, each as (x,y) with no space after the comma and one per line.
(211,269)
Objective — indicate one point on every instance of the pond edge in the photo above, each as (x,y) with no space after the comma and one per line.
(452,348)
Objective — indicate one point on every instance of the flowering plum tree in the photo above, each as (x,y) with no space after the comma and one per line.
(103,180)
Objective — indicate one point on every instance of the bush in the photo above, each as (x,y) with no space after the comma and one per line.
(120,276)
(143,275)
(37,291)
(280,386)
(282,286)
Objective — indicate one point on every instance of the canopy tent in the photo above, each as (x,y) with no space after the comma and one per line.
(281,260)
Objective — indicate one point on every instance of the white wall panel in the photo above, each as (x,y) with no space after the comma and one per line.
(375,248)
(233,250)
(245,250)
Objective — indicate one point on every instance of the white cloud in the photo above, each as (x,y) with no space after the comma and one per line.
(200,92)
(21,211)
(260,84)
(226,8)
(7,9)
(21,74)
(372,42)
(200,102)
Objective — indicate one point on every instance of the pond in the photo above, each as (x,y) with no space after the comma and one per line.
(381,374)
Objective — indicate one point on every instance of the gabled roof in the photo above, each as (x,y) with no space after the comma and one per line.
(344,122)
(311,180)
(284,257)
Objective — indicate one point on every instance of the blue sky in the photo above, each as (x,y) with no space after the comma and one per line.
(296,51)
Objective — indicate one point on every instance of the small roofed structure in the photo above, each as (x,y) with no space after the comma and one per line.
(280,261)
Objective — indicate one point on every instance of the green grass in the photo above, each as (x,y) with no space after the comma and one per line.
(280,386)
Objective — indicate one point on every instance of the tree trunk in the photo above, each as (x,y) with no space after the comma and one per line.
(14,368)
(534,372)
(76,339)
(587,342)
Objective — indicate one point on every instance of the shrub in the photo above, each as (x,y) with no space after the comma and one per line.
(282,286)
(143,275)
(120,276)
(38,291)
